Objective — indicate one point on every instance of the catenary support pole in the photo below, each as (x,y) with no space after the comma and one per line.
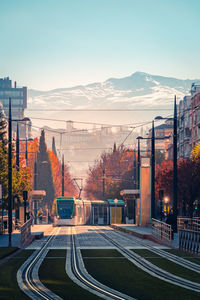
(35,188)
(17,148)
(63,178)
(103,181)
(10,175)
(153,172)
(138,165)
(175,167)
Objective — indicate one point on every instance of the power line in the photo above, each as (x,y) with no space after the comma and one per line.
(81,122)
(103,110)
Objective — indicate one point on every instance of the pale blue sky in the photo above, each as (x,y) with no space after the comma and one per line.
(46,44)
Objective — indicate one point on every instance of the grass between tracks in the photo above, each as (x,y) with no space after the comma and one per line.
(9,289)
(122,275)
(168,265)
(193,258)
(5,251)
(53,275)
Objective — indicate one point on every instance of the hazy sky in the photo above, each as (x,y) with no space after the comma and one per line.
(46,44)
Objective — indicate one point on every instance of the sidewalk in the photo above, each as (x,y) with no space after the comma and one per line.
(141,232)
(15,240)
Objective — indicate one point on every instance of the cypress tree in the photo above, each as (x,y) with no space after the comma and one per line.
(45,178)
(54,146)
(114,148)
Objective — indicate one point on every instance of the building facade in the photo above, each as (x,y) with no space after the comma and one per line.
(18,97)
(184,128)
(195,115)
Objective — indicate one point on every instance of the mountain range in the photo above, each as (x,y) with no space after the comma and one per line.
(139,90)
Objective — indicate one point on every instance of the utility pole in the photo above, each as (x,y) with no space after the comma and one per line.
(10,175)
(175,167)
(153,172)
(17,148)
(63,178)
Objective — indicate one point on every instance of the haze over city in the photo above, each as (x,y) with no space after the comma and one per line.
(100,149)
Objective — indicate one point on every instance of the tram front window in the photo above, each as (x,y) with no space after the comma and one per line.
(65,209)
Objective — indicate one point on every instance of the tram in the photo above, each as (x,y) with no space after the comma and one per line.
(71,211)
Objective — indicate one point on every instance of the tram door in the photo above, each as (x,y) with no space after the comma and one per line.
(116,215)
(98,215)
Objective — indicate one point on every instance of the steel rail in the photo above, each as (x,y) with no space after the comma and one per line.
(152,269)
(27,274)
(86,281)
(174,258)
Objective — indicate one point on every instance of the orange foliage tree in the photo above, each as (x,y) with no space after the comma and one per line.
(119,174)
(70,189)
(188,183)
(32,149)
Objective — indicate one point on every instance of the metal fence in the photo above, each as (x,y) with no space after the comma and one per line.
(161,231)
(189,241)
(188,223)
(25,233)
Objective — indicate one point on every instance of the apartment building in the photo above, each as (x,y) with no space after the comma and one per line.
(18,97)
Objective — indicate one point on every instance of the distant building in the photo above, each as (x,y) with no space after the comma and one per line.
(163,130)
(18,97)
(184,127)
(195,114)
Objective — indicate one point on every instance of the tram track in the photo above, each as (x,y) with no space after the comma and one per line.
(87,281)
(150,268)
(169,256)
(28,279)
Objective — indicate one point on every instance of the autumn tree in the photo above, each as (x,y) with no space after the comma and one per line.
(188,183)
(21,178)
(70,189)
(118,167)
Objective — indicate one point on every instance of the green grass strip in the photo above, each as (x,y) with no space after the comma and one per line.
(5,251)
(53,275)
(122,275)
(168,265)
(9,289)
(100,253)
(193,258)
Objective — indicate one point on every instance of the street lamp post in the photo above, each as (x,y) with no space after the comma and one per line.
(115,200)
(175,177)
